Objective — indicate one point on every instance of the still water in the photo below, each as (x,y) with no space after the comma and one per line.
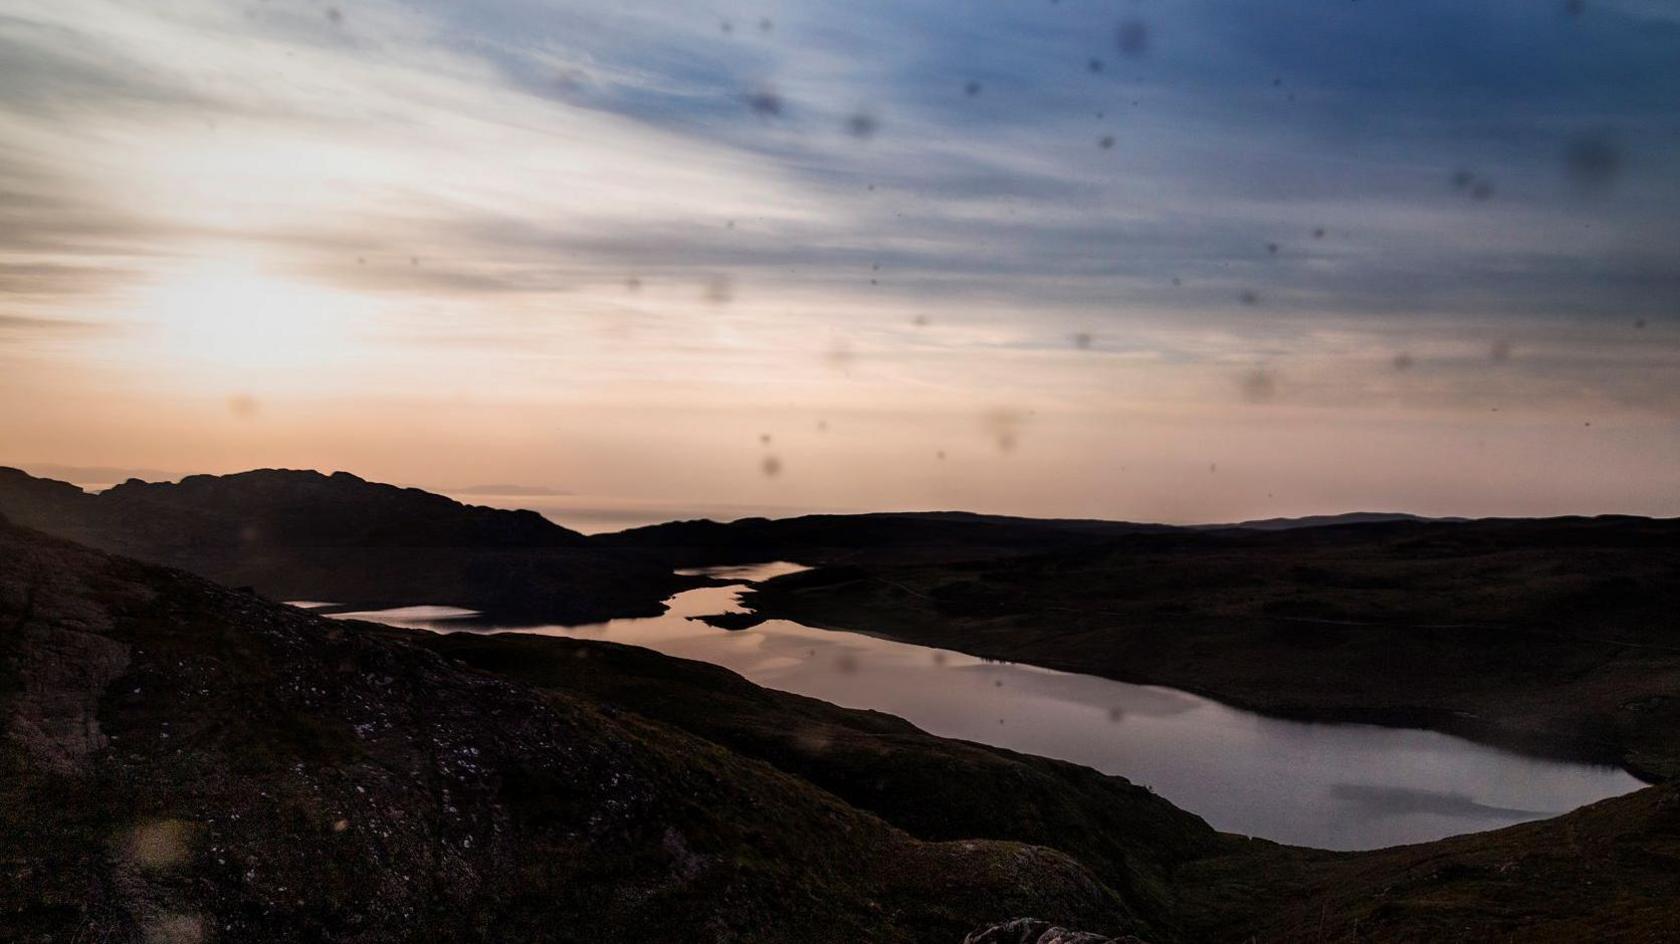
(1333,786)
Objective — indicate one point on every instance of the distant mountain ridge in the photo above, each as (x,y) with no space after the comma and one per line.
(921,536)
(286,505)
(295,534)
(1326,521)
(340,509)
(299,534)
(897,536)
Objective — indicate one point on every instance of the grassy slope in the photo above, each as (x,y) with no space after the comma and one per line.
(1608,872)
(1553,637)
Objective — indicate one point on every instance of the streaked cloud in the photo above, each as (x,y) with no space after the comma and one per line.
(531,206)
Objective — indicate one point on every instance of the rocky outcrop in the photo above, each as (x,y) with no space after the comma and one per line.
(1034,931)
(59,660)
(56,715)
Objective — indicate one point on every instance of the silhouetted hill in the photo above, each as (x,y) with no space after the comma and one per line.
(308,508)
(902,537)
(298,534)
(885,536)
(1322,521)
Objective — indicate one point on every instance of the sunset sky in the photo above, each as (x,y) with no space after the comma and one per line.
(1195,260)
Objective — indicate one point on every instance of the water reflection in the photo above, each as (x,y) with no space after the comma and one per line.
(1333,786)
(428,617)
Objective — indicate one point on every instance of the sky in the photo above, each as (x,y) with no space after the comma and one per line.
(1196,260)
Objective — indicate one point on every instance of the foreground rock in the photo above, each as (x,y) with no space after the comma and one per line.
(1034,931)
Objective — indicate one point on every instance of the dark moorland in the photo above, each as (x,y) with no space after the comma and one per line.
(186,762)
(1554,636)
(189,761)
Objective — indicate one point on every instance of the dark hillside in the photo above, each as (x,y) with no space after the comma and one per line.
(895,537)
(183,762)
(338,538)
